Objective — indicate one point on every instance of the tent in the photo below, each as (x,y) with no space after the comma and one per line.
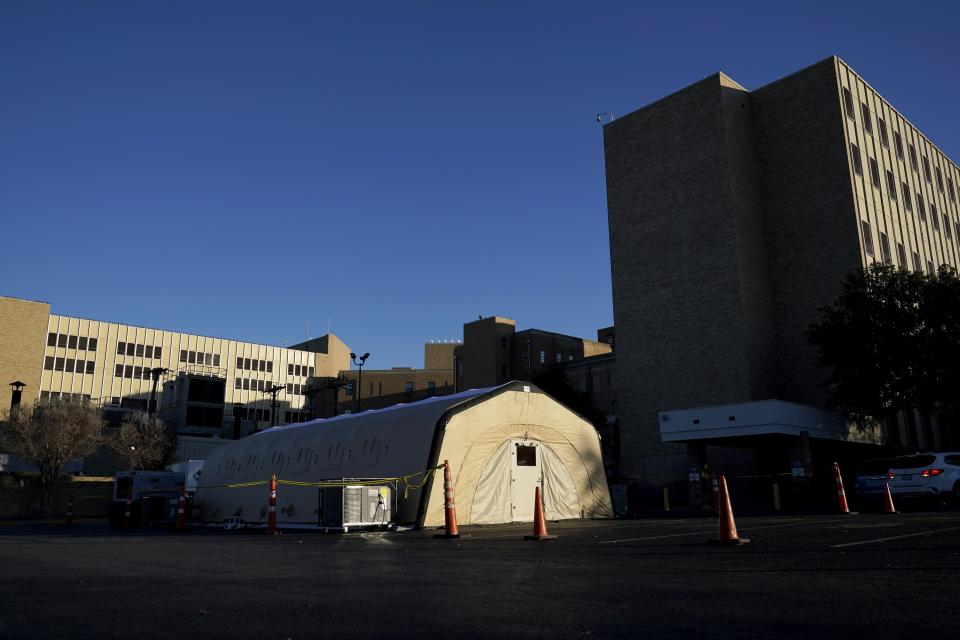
(500,443)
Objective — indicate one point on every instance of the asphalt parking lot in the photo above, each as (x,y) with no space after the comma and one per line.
(868,575)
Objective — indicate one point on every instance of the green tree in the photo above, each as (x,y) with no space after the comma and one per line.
(892,341)
(51,434)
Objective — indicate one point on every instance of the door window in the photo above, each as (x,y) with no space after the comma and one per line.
(526,456)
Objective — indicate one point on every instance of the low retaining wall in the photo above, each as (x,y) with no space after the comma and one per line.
(20,497)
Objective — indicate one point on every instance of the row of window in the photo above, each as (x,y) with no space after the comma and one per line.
(296,416)
(63,395)
(254,365)
(260,415)
(898,144)
(139,350)
(69,365)
(887,256)
(247,384)
(297,389)
(198,357)
(71,342)
(128,371)
(905,193)
(299,370)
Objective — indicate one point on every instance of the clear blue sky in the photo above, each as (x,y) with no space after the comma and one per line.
(241,169)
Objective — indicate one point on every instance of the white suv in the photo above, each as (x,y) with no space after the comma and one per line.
(926,474)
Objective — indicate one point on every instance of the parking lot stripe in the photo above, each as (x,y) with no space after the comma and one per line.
(700,533)
(906,535)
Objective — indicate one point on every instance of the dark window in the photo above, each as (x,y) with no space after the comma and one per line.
(408,387)
(216,360)
(939,175)
(921,208)
(239,363)
(947,228)
(246,364)
(526,456)
(917,264)
(913,158)
(58,364)
(139,350)
(348,389)
(91,366)
(926,169)
(867,238)
(62,340)
(48,363)
(259,385)
(912,462)
(92,344)
(148,351)
(885,248)
(192,357)
(51,339)
(891,186)
(874,173)
(137,373)
(69,365)
(867,122)
(82,344)
(236,383)
(902,254)
(118,370)
(882,128)
(310,371)
(855,157)
(121,348)
(269,367)
(130,348)
(898,144)
(296,389)
(848,104)
(128,371)
(263,365)
(296,370)
(907,200)
(290,388)
(72,342)
(183,355)
(289,369)
(934,217)
(208,359)
(950,189)
(246,384)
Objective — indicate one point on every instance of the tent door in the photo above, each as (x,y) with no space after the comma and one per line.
(525,476)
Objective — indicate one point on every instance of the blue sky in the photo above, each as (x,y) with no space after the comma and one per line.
(246,169)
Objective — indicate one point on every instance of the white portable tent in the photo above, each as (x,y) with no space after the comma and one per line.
(501,443)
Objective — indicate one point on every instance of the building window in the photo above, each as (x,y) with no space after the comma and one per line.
(269,367)
(130,348)
(69,365)
(310,371)
(951,190)
(907,201)
(867,122)
(855,157)
(62,340)
(348,389)
(92,345)
(526,456)
(237,384)
(939,175)
(148,351)
(121,348)
(48,363)
(891,185)
(246,384)
(902,254)
(58,364)
(913,159)
(917,264)
(139,350)
(882,128)
(543,357)
(289,369)
(137,373)
(930,269)
(867,238)
(848,104)
(408,387)
(885,248)
(128,371)
(51,339)
(947,229)
(379,388)
(72,340)
(898,144)
(926,169)
(874,173)
(118,371)
(921,208)
(934,217)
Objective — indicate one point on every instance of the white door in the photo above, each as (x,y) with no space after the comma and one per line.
(525,476)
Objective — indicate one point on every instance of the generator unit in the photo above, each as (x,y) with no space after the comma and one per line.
(356,507)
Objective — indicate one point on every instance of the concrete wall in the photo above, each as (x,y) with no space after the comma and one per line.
(23,325)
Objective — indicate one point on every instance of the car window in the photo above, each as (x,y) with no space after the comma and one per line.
(954,460)
(873,468)
(912,462)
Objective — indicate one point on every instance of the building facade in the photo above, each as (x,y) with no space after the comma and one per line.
(734,216)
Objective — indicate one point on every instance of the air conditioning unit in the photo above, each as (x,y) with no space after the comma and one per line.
(357,507)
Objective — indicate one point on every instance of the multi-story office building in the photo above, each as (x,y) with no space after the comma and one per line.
(734,216)
(201,380)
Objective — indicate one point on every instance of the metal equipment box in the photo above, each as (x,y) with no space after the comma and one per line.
(356,506)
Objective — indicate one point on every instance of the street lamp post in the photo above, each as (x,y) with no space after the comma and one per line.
(274,404)
(359,362)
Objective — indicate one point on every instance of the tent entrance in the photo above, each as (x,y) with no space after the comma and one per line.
(525,475)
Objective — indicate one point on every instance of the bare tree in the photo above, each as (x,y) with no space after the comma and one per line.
(143,441)
(51,434)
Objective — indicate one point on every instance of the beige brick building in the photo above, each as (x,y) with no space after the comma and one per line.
(734,215)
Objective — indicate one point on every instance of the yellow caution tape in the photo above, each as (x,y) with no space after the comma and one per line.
(406,480)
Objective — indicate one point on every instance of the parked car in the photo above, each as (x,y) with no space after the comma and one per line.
(935,474)
(872,476)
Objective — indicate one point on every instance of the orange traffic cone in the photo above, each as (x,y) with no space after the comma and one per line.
(272,509)
(451,530)
(539,522)
(841,494)
(728,527)
(181,511)
(888,501)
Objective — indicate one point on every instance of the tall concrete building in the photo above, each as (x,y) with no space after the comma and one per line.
(734,216)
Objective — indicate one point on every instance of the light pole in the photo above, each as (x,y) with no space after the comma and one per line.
(359,362)
(274,405)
